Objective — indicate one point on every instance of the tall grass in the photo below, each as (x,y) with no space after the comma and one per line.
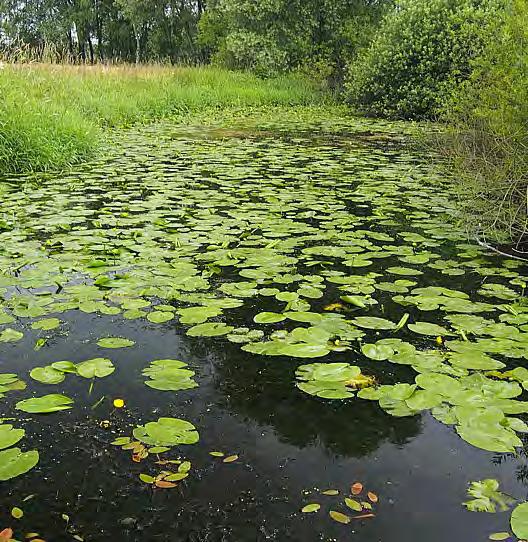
(52,115)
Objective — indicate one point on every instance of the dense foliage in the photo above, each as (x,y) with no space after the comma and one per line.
(489,139)
(96,30)
(268,36)
(422,50)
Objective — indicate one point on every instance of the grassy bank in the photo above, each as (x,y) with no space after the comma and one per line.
(52,116)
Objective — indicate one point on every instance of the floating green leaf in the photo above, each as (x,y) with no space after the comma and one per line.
(95,368)
(9,436)
(47,375)
(169,375)
(115,342)
(167,432)
(45,404)
(519,520)
(14,462)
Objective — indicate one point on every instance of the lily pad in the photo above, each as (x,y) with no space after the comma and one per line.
(14,462)
(269,318)
(209,330)
(115,342)
(47,375)
(95,368)
(9,436)
(167,432)
(169,375)
(45,404)
(519,520)
(371,322)
(10,335)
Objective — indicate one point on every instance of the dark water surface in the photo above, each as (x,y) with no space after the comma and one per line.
(290,444)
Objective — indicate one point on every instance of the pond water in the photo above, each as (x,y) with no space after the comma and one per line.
(335,235)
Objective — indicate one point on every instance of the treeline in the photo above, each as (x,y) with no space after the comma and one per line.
(264,36)
(101,30)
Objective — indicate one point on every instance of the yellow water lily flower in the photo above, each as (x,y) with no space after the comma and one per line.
(119,403)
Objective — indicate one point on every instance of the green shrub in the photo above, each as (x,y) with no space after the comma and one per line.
(421,51)
(247,50)
(488,139)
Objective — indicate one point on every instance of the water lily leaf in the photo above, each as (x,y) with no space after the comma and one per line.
(424,400)
(46,324)
(476,361)
(147,478)
(198,315)
(377,351)
(9,436)
(269,318)
(167,432)
(47,375)
(491,437)
(426,328)
(371,322)
(10,335)
(169,375)
(45,404)
(356,300)
(303,350)
(17,513)
(499,536)
(209,330)
(339,517)
(309,508)
(519,520)
(160,317)
(439,383)
(353,505)
(408,271)
(308,317)
(121,441)
(177,477)
(487,497)
(230,458)
(372,497)
(14,462)
(115,342)
(95,368)
(65,366)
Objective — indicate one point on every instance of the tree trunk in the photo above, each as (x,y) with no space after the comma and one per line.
(138,43)
(99,33)
(70,45)
(90,48)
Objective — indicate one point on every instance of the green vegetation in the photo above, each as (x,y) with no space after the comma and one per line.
(487,141)
(273,36)
(421,52)
(53,116)
(246,247)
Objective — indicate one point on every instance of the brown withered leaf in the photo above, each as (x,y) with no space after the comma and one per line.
(356,488)
(164,484)
(372,497)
